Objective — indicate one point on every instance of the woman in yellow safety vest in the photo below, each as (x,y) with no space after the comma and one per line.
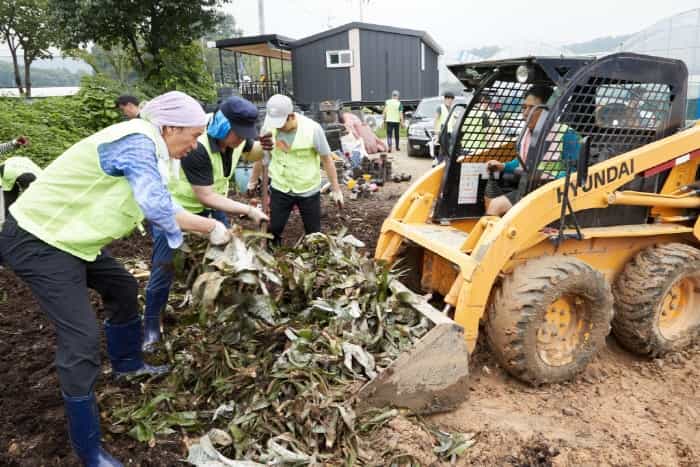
(202,189)
(95,192)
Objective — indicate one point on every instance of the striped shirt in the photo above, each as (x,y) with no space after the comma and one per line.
(134,157)
(7,147)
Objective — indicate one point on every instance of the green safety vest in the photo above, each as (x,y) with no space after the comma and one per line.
(393,110)
(299,170)
(75,206)
(14,167)
(181,189)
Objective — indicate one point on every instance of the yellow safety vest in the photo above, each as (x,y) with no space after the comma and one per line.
(299,169)
(14,167)
(181,188)
(74,205)
(393,110)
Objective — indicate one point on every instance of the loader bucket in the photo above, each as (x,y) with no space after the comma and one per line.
(432,376)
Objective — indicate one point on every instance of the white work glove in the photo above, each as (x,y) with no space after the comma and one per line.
(219,235)
(337,197)
(252,185)
(257,215)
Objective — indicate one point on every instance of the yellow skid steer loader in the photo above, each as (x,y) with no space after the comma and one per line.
(603,232)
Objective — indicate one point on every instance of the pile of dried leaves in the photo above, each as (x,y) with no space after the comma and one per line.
(267,357)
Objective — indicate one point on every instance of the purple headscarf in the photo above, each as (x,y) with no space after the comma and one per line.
(174,108)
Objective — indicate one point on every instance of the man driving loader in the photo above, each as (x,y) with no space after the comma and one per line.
(532,112)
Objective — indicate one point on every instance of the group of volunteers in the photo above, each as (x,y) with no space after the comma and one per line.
(171,164)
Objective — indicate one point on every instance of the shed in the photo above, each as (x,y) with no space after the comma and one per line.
(365,62)
(357,63)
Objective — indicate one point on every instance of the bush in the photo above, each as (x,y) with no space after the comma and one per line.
(182,70)
(54,124)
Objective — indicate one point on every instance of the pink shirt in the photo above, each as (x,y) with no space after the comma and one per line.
(525,144)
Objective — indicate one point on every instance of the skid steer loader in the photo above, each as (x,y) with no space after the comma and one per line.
(604,234)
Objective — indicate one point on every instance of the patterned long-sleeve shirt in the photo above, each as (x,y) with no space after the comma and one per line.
(7,147)
(134,157)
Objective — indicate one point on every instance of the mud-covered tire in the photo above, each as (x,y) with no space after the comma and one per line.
(644,322)
(522,327)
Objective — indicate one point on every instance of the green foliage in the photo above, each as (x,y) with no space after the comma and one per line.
(183,70)
(97,95)
(146,28)
(54,124)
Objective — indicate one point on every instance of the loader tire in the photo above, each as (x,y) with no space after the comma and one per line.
(657,300)
(549,318)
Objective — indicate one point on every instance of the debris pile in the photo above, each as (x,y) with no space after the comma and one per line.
(270,353)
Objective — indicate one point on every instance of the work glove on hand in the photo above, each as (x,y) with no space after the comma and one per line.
(337,197)
(257,215)
(219,235)
(21,141)
(266,142)
(252,188)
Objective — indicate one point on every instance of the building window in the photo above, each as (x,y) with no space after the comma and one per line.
(338,58)
(422,56)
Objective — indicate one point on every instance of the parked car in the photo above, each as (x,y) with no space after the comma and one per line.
(424,119)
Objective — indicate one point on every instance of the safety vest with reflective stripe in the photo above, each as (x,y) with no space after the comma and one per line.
(181,188)
(393,110)
(74,205)
(14,167)
(299,169)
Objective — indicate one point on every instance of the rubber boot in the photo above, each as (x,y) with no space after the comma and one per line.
(124,349)
(156,302)
(84,430)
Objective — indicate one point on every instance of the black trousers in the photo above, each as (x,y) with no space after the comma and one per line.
(281,205)
(60,282)
(392,128)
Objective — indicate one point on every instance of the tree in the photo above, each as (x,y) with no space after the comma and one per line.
(26,24)
(145,28)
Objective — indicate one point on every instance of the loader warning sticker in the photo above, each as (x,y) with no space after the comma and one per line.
(469,182)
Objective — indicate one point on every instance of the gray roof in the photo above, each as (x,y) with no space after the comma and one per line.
(370,27)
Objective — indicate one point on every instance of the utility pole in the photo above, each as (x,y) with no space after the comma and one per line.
(261,26)
(362,16)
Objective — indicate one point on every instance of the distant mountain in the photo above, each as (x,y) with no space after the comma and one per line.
(594,46)
(42,76)
(597,45)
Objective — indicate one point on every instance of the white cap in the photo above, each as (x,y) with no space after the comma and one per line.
(279,107)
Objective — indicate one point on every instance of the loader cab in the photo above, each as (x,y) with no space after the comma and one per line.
(617,103)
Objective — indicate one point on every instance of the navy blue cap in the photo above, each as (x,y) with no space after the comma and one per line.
(242,114)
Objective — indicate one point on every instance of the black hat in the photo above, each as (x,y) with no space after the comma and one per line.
(449,94)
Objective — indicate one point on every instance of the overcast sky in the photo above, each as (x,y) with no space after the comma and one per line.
(463,24)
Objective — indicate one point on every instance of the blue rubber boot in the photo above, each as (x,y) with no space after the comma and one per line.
(124,350)
(156,302)
(84,430)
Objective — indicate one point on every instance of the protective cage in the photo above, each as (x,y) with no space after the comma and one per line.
(619,102)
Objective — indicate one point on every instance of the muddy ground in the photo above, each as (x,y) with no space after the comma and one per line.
(623,411)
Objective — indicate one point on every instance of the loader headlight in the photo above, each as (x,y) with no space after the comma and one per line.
(522,73)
